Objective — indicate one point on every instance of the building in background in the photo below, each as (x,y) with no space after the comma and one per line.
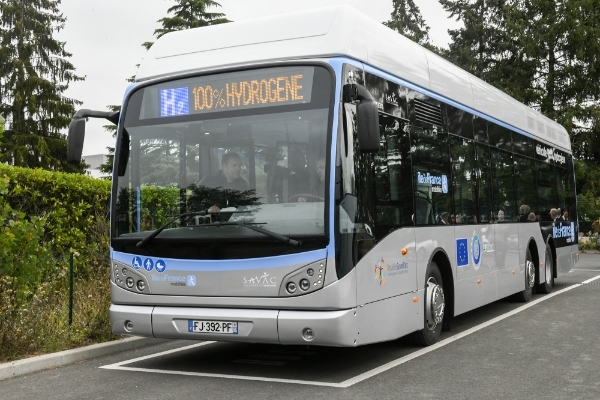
(94,161)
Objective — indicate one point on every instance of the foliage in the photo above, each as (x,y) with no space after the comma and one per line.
(43,217)
(544,53)
(70,205)
(35,73)
(589,244)
(588,207)
(188,14)
(39,323)
(406,19)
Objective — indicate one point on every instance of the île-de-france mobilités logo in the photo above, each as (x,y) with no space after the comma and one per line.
(476,250)
(381,272)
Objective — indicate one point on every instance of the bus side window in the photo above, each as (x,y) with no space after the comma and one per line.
(463,180)
(431,176)
(393,203)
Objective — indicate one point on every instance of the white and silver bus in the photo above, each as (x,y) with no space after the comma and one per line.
(317,178)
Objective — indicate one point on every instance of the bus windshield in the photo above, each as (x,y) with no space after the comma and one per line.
(248,146)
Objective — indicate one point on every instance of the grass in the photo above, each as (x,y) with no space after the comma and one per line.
(38,323)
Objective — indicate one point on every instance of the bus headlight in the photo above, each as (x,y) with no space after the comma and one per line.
(291,287)
(304,284)
(306,279)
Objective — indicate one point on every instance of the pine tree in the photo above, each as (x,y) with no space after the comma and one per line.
(188,14)
(34,74)
(406,19)
(487,46)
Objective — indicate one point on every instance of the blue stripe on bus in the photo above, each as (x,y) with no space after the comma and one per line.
(228,265)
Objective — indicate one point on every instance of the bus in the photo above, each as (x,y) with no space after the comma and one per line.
(318,179)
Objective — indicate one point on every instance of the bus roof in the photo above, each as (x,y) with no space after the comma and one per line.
(339,31)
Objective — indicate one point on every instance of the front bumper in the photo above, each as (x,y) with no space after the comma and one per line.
(331,328)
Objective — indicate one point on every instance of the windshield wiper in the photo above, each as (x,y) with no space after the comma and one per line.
(297,244)
(185,216)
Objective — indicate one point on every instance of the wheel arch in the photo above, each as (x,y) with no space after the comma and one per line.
(440,257)
(535,256)
(552,245)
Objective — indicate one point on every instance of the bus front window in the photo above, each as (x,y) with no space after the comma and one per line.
(263,165)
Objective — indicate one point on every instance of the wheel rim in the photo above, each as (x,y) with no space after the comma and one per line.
(434,304)
(548,269)
(530,273)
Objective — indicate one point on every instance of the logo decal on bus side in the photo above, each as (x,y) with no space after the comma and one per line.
(476,251)
(462,254)
(381,272)
(261,281)
(148,264)
(160,266)
(136,263)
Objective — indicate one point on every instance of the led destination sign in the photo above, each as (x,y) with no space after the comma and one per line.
(235,91)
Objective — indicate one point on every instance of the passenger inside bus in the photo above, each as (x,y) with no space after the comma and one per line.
(524,213)
(501,216)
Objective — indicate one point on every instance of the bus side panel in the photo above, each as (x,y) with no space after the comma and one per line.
(574,256)
(384,271)
(565,260)
(509,279)
(390,319)
(475,271)
(428,239)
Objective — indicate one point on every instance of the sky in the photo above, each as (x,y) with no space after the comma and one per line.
(105,37)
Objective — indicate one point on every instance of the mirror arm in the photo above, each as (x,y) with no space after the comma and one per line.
(353,92)
(111,116)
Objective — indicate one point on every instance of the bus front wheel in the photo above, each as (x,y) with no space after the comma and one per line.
(435,306)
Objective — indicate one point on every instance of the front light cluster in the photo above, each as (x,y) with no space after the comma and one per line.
(307,279)
(129,279)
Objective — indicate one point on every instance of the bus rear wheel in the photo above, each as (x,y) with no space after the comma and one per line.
(435,306)
(525,295)
(548,284)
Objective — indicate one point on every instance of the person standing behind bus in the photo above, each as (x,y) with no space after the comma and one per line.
(555,214)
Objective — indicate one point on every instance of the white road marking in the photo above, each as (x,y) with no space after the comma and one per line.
(351,381)
(586,270)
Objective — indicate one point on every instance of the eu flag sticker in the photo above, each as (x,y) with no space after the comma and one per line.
(462,252)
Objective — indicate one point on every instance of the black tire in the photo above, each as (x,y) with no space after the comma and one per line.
(525,295)
(434,285)
(548,284)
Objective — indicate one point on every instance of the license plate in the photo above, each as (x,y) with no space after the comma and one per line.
(221,327)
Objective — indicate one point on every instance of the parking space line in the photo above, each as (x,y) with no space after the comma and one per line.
(418,353)
(586,270)
(351,381)
(162,353)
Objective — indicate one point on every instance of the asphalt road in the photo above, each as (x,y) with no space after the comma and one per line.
(547,349)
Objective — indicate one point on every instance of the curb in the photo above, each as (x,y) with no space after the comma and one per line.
(53,360)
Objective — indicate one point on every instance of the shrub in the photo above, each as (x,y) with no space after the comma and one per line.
(43,217)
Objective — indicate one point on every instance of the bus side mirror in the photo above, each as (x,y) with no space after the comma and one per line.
(368,126)
(77,131)
(76,139)
(367,117)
